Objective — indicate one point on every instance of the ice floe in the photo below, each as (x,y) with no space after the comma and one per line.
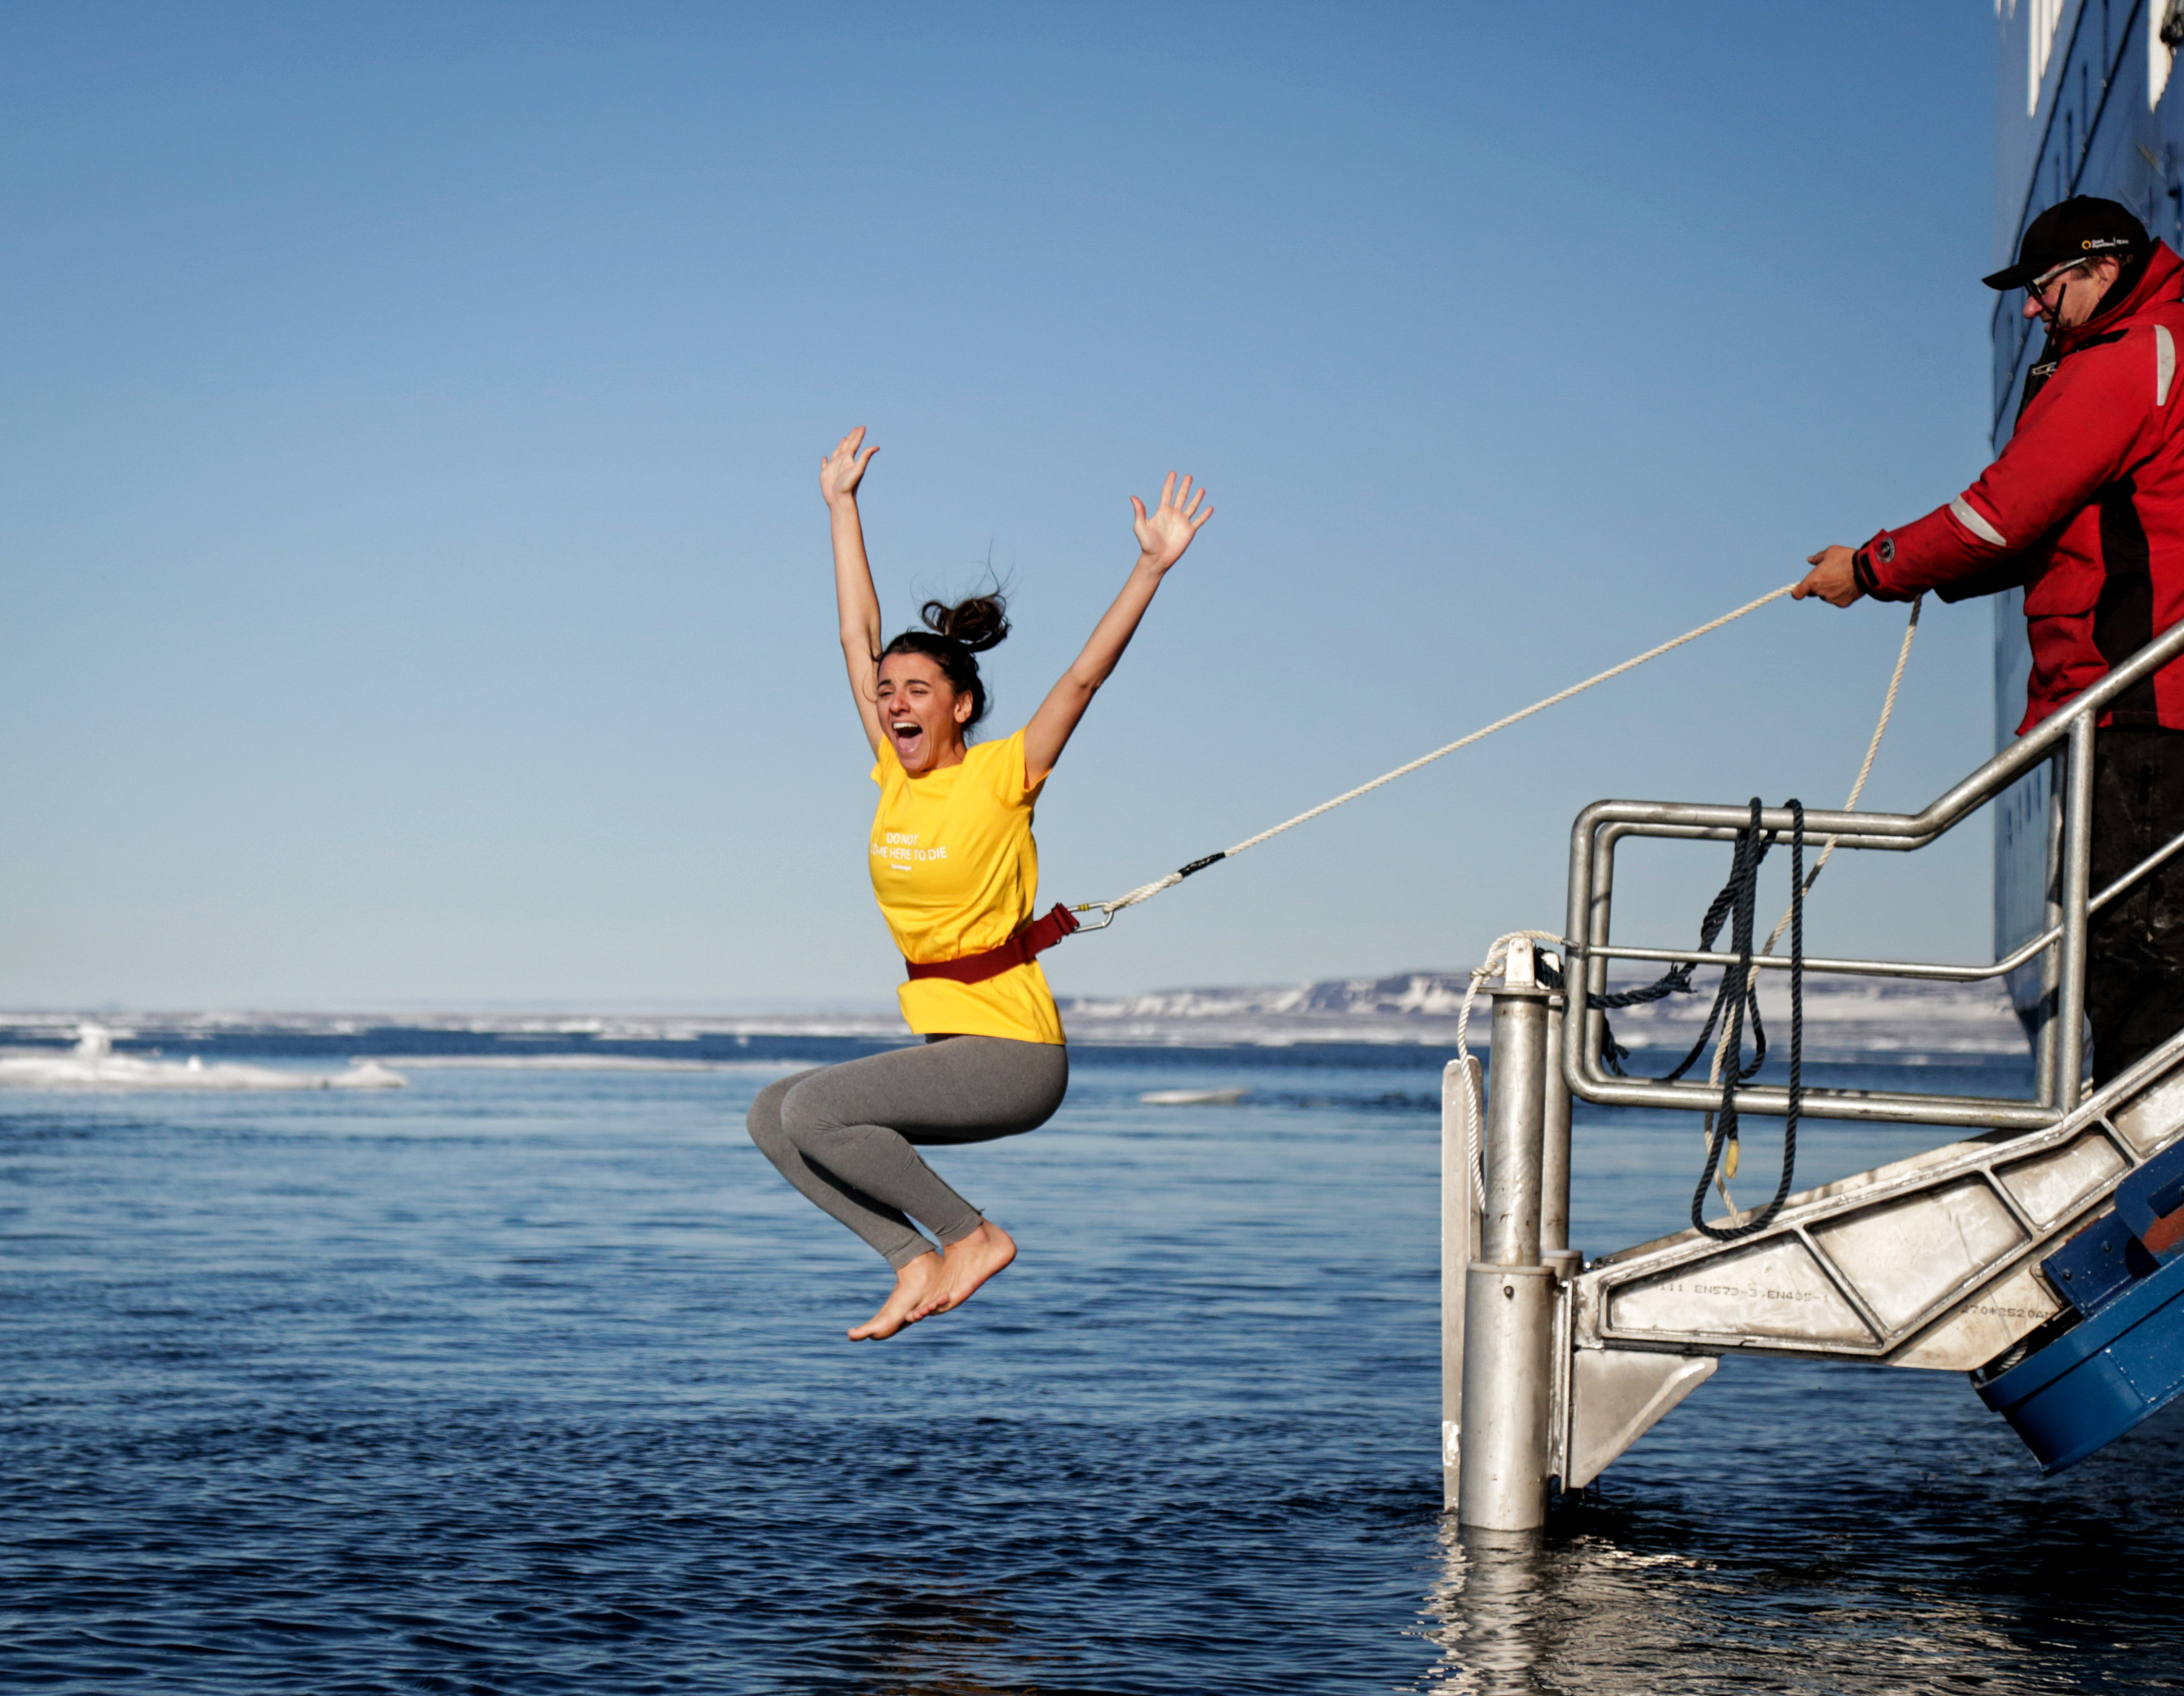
(92,1064)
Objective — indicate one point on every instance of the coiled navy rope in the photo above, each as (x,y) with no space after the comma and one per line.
(1737,987)
(1738,991)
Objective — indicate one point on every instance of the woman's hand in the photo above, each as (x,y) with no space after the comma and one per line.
(842,469)
(1164,531)
(839,474)
(1162,535)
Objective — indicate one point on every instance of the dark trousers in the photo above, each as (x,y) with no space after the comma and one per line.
(2135,965)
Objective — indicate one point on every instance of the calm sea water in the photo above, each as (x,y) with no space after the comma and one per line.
(534,1382)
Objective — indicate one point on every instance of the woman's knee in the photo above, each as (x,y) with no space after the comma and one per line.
(764,1119)
(807,1113)
(822,1100)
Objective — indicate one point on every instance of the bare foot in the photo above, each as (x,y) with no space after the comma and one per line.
(914,1287)
(969,1264)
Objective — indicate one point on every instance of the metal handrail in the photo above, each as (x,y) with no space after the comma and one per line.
(1866,968)
(2066,736)
(2021,955)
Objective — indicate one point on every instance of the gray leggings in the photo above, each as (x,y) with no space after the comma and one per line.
(843,1134)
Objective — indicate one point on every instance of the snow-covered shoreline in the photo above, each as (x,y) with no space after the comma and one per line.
(1845,1019)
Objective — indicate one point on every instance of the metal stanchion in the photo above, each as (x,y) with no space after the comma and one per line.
(1509,1296)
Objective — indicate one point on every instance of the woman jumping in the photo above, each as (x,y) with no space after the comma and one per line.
(956,874)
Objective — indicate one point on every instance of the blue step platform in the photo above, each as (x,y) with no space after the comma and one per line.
(2124,1360)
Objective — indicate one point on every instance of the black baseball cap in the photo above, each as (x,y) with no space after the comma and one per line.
(2083,227)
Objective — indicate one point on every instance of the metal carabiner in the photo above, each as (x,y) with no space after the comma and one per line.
(1106,919)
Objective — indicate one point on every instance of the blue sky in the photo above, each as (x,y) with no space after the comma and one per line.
(417,591)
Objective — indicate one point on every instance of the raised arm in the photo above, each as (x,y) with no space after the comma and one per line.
(855,597)
(1162,535)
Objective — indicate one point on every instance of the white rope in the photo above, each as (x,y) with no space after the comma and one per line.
(1865,765)
(1147,891)
(1721,1177)
(1474,1115)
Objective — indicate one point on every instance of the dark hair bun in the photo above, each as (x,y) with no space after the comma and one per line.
(979,624)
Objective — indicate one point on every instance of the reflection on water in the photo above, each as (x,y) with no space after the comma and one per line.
(1852,1530)
(527,1382)
(1486,1609)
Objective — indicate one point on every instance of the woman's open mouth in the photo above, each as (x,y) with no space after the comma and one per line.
(907,733)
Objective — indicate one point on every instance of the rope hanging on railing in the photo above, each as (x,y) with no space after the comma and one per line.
(1737,993)
(1146,892)
(1738,988)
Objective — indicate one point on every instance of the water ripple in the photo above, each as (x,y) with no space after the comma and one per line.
(534,1383)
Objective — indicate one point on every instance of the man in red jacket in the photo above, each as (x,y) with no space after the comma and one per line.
(2084,511)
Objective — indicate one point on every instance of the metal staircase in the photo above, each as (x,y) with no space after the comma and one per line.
(2044,1256)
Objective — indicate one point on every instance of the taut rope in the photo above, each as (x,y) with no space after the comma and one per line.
(1147,891)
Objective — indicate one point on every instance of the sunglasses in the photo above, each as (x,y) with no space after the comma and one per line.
(2038,286)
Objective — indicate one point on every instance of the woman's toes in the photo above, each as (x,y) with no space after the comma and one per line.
(911,1285)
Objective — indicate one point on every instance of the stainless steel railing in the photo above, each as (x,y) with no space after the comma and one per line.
(2065,738)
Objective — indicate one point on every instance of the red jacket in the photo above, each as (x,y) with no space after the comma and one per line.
(2085,508)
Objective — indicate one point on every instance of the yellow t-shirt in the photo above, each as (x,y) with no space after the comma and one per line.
(956,873)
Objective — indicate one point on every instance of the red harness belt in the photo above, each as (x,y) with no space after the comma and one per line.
(1035,938)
